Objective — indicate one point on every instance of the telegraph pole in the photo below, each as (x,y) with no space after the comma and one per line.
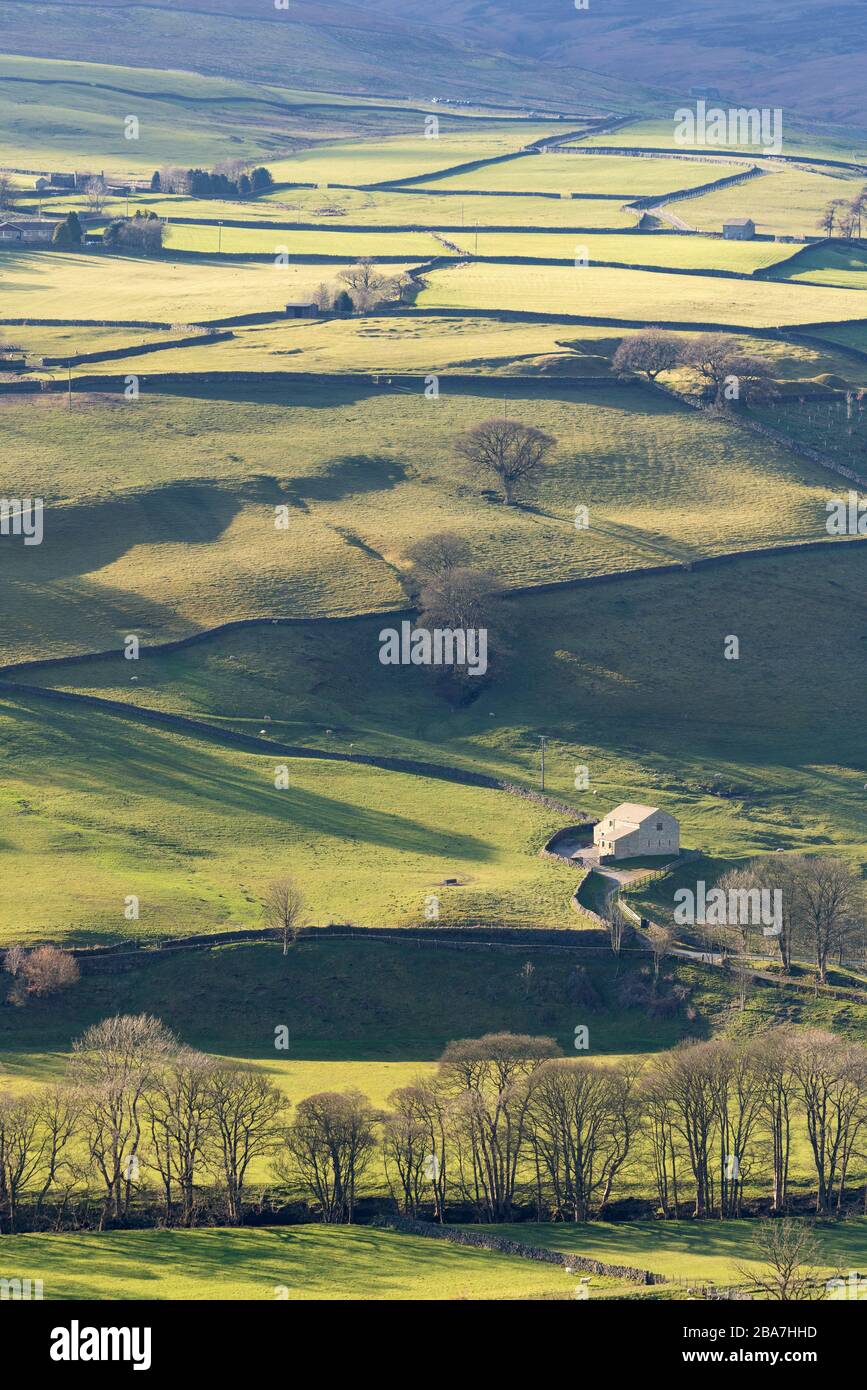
(542,739)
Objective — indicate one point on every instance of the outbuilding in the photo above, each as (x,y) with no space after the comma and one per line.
(739,229)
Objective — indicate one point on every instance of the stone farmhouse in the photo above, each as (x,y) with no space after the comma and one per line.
(630,831)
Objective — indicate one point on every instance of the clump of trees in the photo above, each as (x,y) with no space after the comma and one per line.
(818,902)
(140,235)
(725,372)
(845,216)
(8,192)
(68,233)
(39,973)
(512,453)
(453,593)
(361,288)
(230,179)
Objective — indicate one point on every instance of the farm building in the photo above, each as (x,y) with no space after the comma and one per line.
(302,311)
(739,229)
(26,230)
(631,830)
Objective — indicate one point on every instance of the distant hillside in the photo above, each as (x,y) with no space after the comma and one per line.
(321,47)
(811,58)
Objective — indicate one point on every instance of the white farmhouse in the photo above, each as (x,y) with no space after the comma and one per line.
(631,830)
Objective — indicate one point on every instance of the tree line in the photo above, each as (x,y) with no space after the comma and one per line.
(230,180)
(145,1128)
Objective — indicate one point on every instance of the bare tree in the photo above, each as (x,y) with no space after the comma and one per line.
(582,1121)
(95,193)
(525,975)
(426,1104)
(282,908)
(513,452)
(774,1069)
(613,916)
(178,1110)
(828,219)
(328,1147)
(686,1075)
(489,1079)
(437,554)
(831,1078)
(660,940)
(57,1115)
(831,905)
(788,1249)
(20,1151)
(7,193)
(649,353)
(245,1109)
(368,285)
(112,1066)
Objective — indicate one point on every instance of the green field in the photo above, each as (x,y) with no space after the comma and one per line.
(788,202)
(576,173)
(296,1263)
(120,288)
(689,1250)
(202,828)
(628,294)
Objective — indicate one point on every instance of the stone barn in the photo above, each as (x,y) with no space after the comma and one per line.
(631,831)
(739,229)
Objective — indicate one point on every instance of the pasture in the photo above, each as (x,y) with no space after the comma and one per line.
(628,294)
(295,1263)
(611,175)
(162,290)
(787,202)
(195,829)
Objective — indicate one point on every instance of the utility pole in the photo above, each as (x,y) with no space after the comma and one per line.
(220,239)
(542,739)
(69,386)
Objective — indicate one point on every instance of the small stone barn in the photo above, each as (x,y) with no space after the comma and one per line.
(739,229)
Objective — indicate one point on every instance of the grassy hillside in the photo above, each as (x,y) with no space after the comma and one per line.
(629,681)
(161,511)
(196,830)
